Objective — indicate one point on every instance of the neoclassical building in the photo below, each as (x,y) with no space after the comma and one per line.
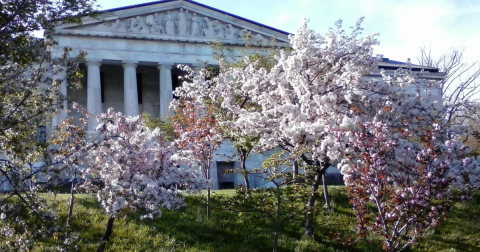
(133,51)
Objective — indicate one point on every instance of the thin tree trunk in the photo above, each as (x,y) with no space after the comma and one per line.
(246,182)
(207,176)
(311,203)
(243,159)
(295,171)
(324,166)
(70,207)
(208,203)
(276,221)
(325,190)
(275,239)
(107,234)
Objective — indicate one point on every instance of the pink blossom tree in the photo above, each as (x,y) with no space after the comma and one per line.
(410,176)
(136,169)
(399,157)
(410,184)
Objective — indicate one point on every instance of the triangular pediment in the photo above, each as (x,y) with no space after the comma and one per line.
(181,20)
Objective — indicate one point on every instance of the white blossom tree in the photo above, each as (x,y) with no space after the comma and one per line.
(306,91)
(292,105)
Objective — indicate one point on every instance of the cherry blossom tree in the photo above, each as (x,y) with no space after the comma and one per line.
(306,91)
(396,152)
(69,144)
(136,170)
(402,161)
(198,135)
(409,183)
(244,145)
(293,103)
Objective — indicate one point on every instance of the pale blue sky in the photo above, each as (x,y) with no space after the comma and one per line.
(404,25)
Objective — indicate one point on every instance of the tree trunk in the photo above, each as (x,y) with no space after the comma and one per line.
(275,238)
(243,159)
(107,234)
(325,190)
(277,220)
(324,166)
(207,176)
(311,203)
(70,207)
(295,171)
(208,203)
(246,182)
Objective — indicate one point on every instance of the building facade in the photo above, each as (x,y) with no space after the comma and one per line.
(133,51)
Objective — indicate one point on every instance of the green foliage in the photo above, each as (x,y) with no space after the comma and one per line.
(30,77)
(30,80)
(164,124)
(283,201)
(20,18)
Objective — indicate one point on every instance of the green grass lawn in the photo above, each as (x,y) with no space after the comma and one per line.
(189,230)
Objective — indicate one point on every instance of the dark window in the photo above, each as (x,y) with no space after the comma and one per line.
(102,86)
(139,88)
(226,185)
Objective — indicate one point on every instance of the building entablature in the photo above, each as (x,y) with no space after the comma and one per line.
(170,29)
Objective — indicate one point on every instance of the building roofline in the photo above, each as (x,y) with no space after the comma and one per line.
(387,63)
(199,4)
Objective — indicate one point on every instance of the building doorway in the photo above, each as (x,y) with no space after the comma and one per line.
(225,180)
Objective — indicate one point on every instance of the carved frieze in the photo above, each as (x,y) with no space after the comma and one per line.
(181,23)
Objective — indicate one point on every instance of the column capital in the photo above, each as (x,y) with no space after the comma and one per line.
(167,66)
(93,62)
(129,63)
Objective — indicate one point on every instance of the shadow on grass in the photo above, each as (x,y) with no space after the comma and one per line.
(225,231)
(229,231)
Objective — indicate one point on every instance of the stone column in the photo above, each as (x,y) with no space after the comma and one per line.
(94,92)
(62,113)
(166,95)
(130,93)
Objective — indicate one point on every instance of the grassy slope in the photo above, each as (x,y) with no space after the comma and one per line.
(188,230)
